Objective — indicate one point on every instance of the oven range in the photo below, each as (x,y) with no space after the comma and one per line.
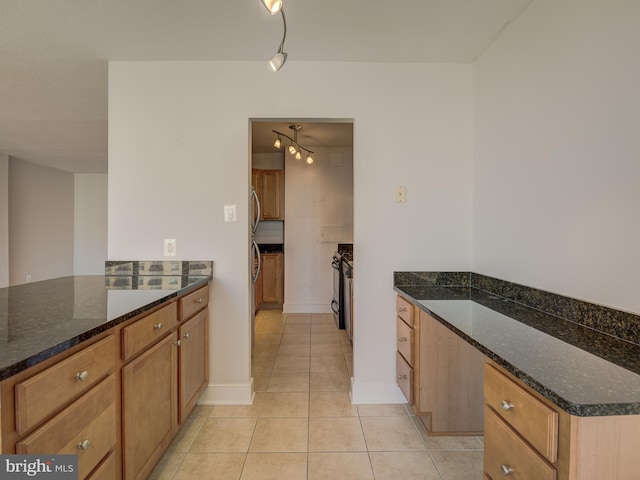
(344,252)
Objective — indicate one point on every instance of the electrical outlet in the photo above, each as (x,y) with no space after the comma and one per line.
(28,279)
(170,247)
(401,194)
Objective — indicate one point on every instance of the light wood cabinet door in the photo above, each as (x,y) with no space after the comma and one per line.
(149,407)
(273,278)
(451,380)
(194,365)
(272,194)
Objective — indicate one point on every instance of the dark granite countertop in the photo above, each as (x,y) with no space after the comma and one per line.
(41,319)
(583,371)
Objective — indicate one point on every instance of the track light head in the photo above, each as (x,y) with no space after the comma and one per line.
(277,143)
(309,160)
(298,155)
(277,61)
(292,149)
(272,6)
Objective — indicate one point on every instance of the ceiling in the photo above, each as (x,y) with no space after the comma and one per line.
(54,53)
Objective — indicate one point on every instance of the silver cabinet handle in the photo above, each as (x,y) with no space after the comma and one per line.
(186,336)
(82,376)
(506,470)
(402,377)
(199,300)
(506,406)
(178,343)
(158,326)
(403,339)
(84,445)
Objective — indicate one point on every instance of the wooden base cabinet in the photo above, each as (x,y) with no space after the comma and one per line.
(194,373)
(149,407)
(272,279)
(528,437)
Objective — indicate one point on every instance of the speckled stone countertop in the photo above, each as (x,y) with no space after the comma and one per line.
(583,371)
(41,319)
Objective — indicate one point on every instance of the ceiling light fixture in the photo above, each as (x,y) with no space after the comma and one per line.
(295,148)
(273,7)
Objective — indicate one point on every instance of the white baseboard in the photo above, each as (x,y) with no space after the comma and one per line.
(376,393)
(306,308)
(228,394)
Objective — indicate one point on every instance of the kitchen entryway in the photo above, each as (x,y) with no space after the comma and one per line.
(302,425)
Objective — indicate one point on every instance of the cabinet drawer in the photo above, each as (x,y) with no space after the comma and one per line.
(87,427)
(405,341)
(107,470)
(147,330)
(405,378)
(486,477)
(190,304)
(533,419)
(506,454)
(43,394)
(404,310)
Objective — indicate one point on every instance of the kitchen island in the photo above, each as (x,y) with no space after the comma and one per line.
(561,399)
(110,375)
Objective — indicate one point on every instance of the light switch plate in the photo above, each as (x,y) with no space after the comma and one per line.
(230,213)
(170,247)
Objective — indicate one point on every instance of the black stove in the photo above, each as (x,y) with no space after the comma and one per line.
(343,253)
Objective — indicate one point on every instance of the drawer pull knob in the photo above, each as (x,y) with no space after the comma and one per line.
(199,300)
(506,406)
(82,376)
(186,336)
(506,470)
(403,339)
(402,309)
(84,445)
(402,377)
(178,343)
(158,326)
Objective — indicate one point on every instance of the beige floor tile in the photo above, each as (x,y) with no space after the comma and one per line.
(299,317)
(342,466)
(260,382)
(327,317)
(264,350)
(270,328)
(268,339)
(321,350)
(459,464)
(275,466)
(294,350)
(331,404)
(262,365)
(348,359)
(285,404)
(329,382)
(404,465)
(280,435)
(383,410)
(344,338)
(167,466)
(336,434)
(347,349)
(296,339)
(297,329)
(325,339)
(190,429)
(452,443)
(291,364)
(224,435)
(289,382)
(323,327)
(391,434)
(238,410)
(227,466)
(332,363)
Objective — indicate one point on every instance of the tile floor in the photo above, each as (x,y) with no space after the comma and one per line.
(302,425)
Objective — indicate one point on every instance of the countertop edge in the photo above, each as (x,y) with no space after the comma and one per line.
(589,410)
(13,369)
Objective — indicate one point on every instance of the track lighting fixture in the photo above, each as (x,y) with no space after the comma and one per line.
(295,148)
(273,7)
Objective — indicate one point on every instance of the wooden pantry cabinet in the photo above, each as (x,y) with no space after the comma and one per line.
(269,185)
(118,399)
(440,374)
(272,291)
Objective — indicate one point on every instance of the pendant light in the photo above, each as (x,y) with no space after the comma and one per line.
(273,7)
(277,143)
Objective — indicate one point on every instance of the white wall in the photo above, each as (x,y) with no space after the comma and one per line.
(178,152)
(40,222)
(319,215)
(557,152)
(4,220)
(90,224)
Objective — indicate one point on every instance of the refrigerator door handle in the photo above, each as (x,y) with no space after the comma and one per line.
(256,221)
(256,252)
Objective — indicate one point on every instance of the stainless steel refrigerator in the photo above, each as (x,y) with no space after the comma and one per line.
(255,259)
